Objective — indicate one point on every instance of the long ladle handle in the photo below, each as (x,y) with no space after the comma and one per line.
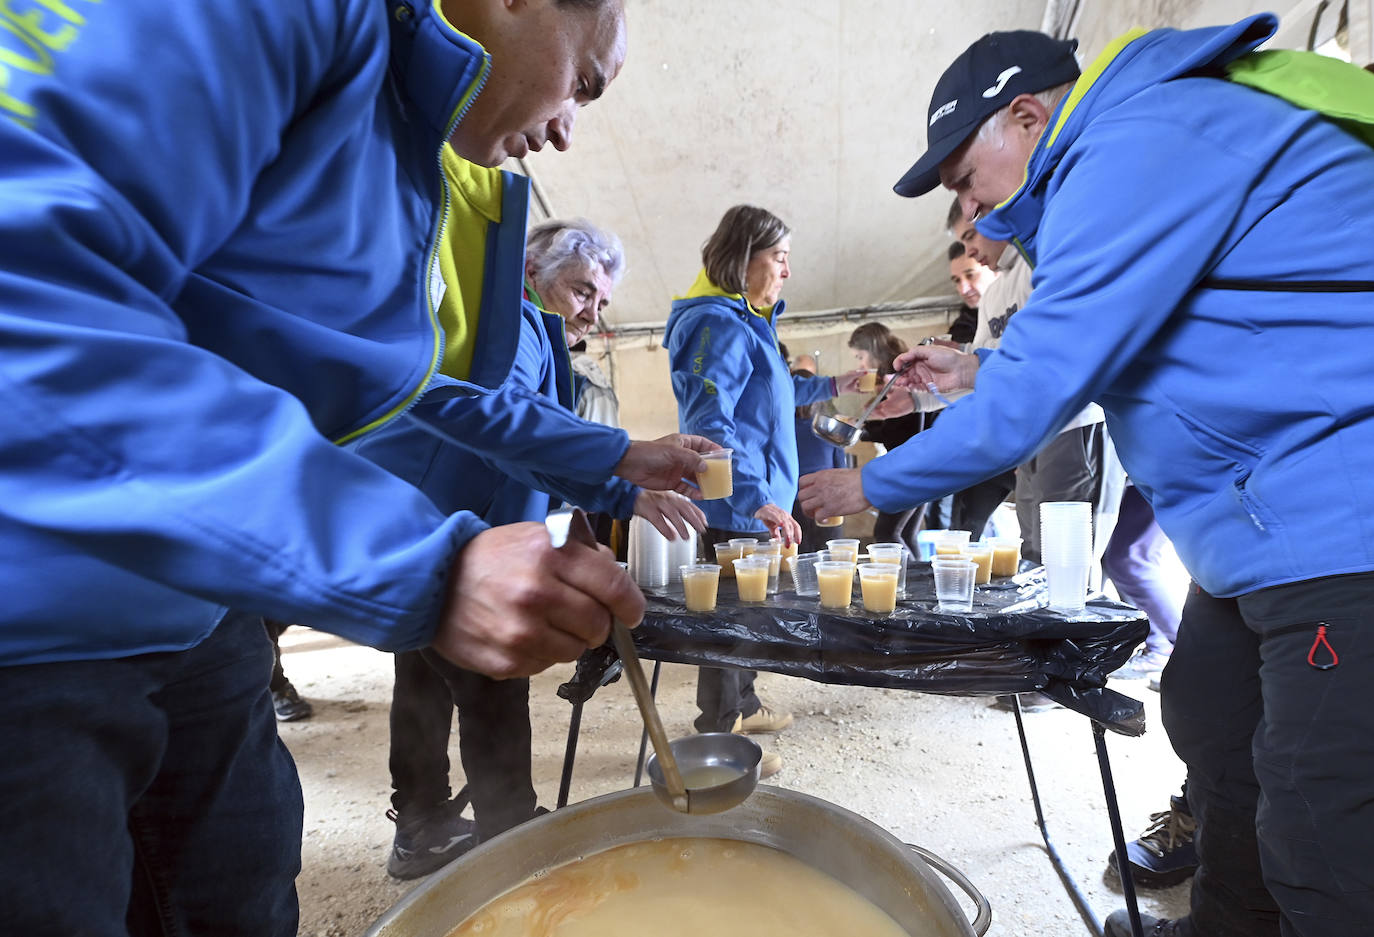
(581,531)
(629,657)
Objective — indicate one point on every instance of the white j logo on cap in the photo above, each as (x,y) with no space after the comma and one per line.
(1002,80)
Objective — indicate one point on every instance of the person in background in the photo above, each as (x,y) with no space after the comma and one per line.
(219,225)
(571,268)
(286,702)
(970,278)
(813,455)
(733,387)
(535,403)
(875,347)
(1177,201)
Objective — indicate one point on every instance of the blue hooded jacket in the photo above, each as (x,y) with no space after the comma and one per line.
(219,225)
(1245,417)
(501,455)
(734,388)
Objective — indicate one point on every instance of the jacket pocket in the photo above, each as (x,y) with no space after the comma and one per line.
(1240,459)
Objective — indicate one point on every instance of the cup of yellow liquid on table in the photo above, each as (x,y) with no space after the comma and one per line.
(700,582)
(845,546)
(717,481)
(878,583)
(836,581)
(950,542)
(751,578)
(726,554)
(981,554)
(1006,556)
(773,550)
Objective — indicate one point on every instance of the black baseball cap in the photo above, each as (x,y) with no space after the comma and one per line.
(983,80)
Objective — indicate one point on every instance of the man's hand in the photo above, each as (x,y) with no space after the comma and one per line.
(947,368)
(666,463)
(670,513)
(833,493)
(781,524)
(848,382)
(896,403)
(516,605)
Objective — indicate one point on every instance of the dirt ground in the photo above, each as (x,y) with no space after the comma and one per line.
(942,772)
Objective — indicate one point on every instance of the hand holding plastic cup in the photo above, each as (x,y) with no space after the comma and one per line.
(837,521)
(868,382)
(751,578)
(700,582)
(954,577)
(718,479)
(878,583)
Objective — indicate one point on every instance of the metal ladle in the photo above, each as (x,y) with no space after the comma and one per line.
(838,432)
(698,752)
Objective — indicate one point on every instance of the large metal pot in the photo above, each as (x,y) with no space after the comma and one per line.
(845,846)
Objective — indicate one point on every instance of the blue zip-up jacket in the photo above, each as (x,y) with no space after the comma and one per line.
(1246,417)
(459,479)
(218,232)
(733,387)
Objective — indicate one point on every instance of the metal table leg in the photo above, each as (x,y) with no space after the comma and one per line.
(644,733)
(1071,885)
(569,753)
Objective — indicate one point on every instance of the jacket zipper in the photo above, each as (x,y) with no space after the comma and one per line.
(431,268)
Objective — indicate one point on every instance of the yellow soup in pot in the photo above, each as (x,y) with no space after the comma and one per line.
(682,887)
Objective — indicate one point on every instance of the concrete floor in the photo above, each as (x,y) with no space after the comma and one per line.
(943,772)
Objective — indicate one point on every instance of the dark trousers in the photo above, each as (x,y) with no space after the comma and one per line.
(974,505)
(897,528)
(1133,561)
(1280,758)
(274,632)
(494,740)
(723,694)
(1068,468)
(149,795)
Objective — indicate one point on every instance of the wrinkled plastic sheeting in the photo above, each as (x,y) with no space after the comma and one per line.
(983,652)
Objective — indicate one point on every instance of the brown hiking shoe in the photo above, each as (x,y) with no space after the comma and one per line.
(765,720)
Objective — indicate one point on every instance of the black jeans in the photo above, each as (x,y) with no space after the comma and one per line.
(493,740)
(724,693)
(149,794)
(1280,757)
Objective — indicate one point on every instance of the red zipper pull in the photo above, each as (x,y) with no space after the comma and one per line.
(1318,642)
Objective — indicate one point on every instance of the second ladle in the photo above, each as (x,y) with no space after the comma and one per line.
(665,774)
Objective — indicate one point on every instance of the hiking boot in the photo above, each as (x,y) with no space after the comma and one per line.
(1140,666)
(1119,925)
(1164,854)
(289,706)
(765,720)
(769,765)
(428,838)
(1030,702)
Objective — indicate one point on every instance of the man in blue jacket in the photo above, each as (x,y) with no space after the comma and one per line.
(223,236)
(1199,219)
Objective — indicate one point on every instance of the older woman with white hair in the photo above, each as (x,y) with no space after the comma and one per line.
(571,268)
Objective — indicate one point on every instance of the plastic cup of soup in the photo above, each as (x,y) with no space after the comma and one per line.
(789,550)
(836,583)
(773,550)
(951,542)
(895,554)
(700,581)
(868,382)
(751,578)
(726,554)
(878,583)
(844,545)
(717,481)
(981,554)
(1006,555)
(837,521)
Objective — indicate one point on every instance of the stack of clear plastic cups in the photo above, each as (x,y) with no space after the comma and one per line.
(804,574)
(1066,549)
(682,551)
(891,553)
(648,554)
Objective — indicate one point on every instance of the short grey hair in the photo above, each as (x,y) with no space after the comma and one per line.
(1050,97)
(555,246)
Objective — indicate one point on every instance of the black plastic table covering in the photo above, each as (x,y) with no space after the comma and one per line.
(1009,643)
